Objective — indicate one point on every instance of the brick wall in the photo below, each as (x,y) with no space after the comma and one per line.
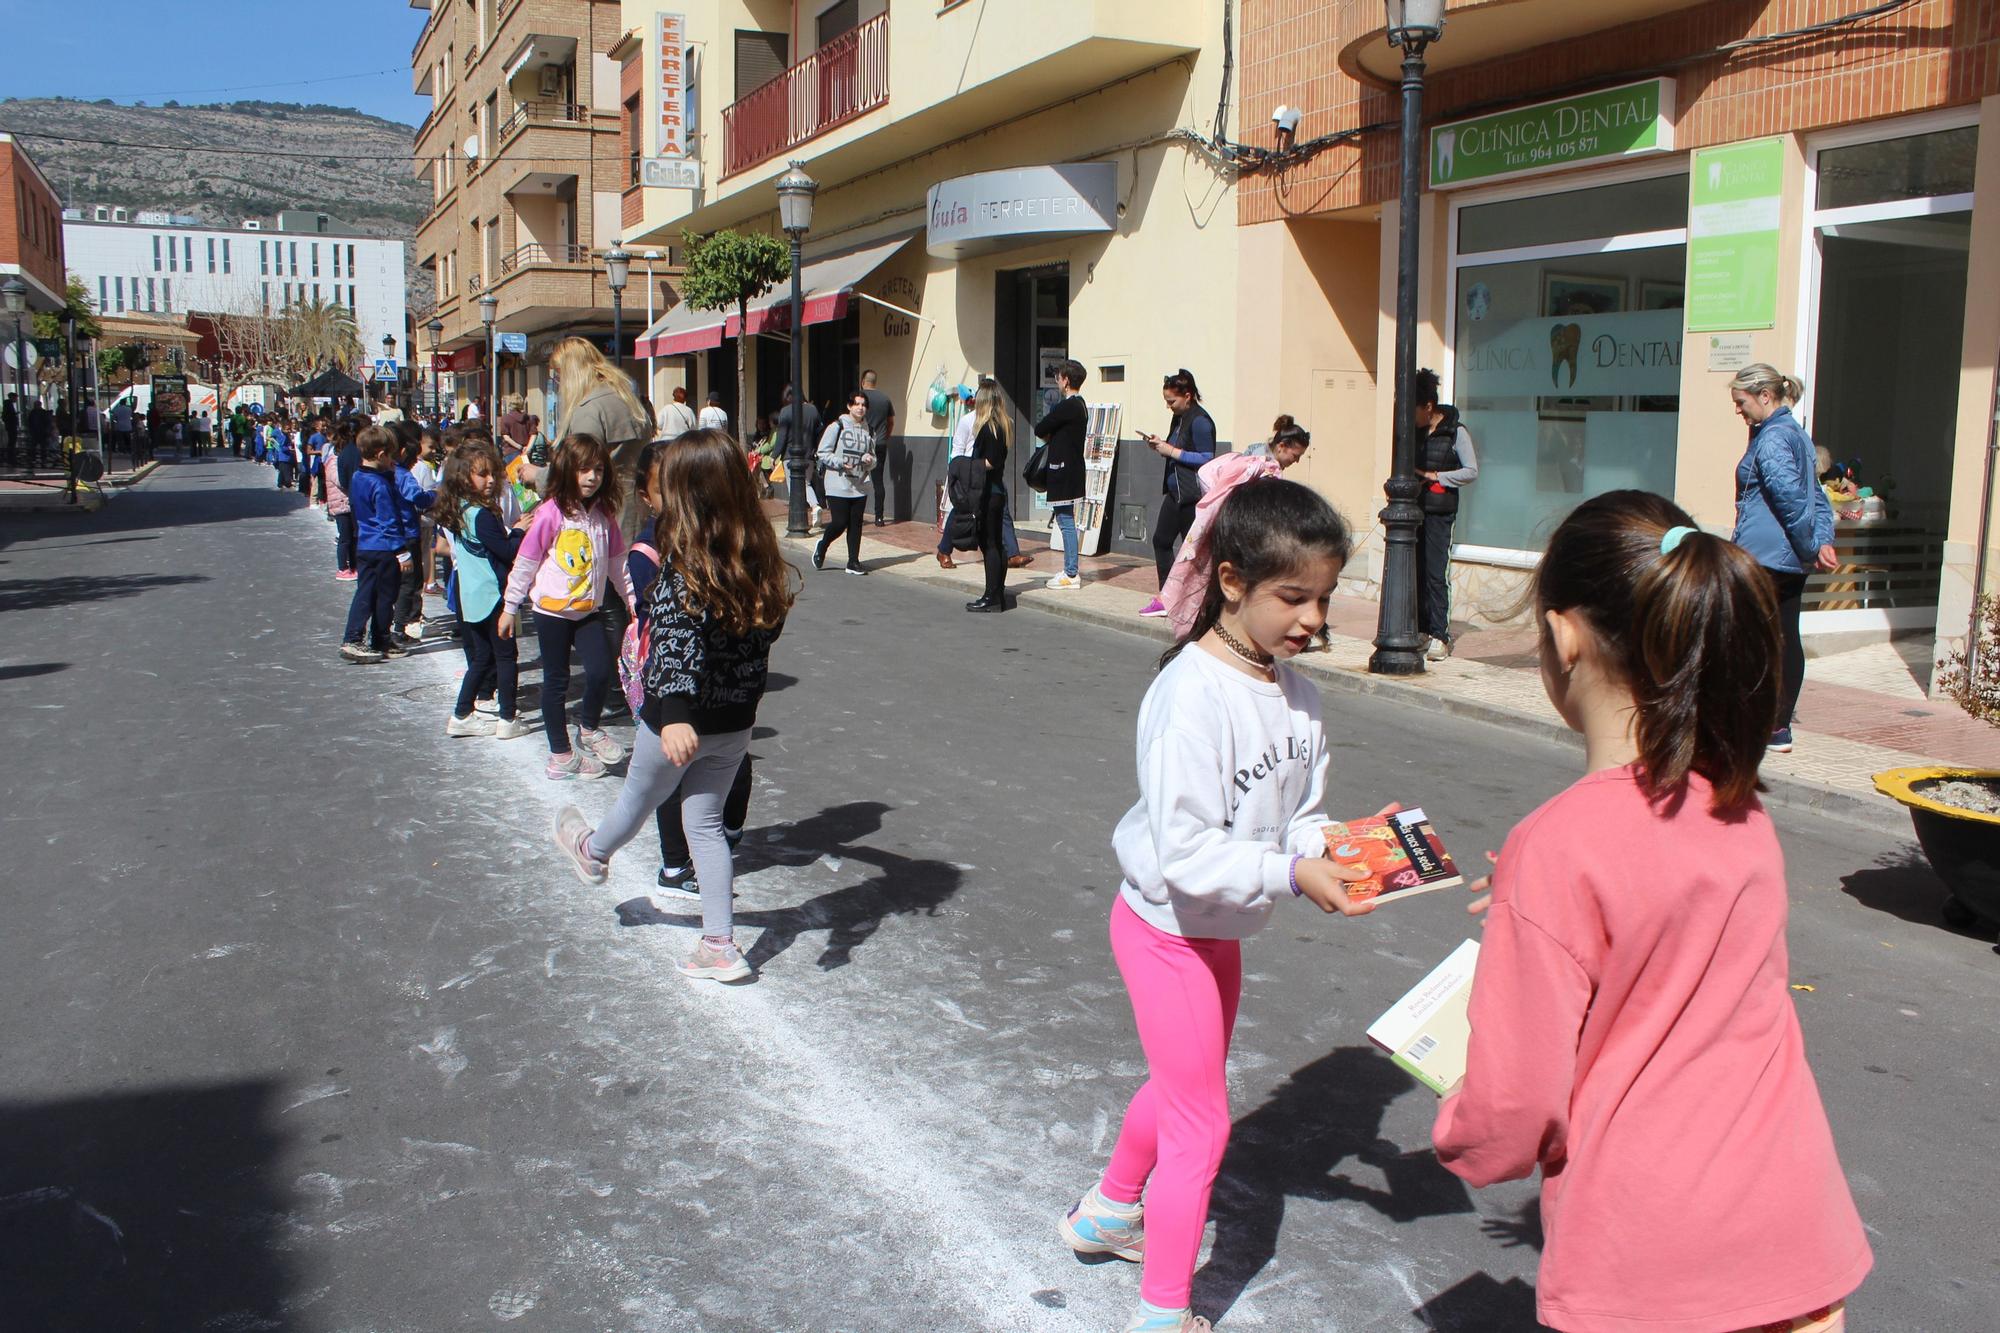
(30,219)
(1935,53)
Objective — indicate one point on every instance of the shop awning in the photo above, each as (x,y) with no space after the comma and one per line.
(828,284)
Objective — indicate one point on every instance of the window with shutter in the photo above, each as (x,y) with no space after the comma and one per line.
(760,57)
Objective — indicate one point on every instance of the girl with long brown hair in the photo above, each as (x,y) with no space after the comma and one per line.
(1633,1034)
(483,548)
(572,553)
(719,603)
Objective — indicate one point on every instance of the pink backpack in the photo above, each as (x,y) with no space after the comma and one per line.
(633,649)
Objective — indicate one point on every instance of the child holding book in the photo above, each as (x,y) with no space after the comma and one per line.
(1232,774)
(1633,1034)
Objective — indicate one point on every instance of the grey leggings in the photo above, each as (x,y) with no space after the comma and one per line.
(704,786)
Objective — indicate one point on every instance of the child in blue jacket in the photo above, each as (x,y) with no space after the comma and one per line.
(386,501)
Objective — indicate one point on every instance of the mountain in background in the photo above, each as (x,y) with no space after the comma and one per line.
(328,159)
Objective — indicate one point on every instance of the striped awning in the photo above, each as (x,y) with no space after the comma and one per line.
(828,283)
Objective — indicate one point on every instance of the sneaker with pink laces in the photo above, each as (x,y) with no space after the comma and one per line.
(599,744)
(1156,607)
(715,961)
(572,833)
(565,767)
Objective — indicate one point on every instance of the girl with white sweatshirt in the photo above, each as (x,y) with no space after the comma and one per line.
(1232,774)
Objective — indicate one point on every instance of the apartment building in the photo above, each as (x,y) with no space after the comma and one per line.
(153,262)
(1622,204)
(1000,187)
(521,151)
(31,236)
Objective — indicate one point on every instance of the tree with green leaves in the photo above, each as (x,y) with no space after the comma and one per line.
(76,295)
(321,334)
(731,269)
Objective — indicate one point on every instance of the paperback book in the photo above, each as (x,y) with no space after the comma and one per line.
(1428,1031)
(1402,854)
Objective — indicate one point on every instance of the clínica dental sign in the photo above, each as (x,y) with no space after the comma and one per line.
(1610,124)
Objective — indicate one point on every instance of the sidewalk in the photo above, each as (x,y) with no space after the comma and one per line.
(1862,709)
(41,490)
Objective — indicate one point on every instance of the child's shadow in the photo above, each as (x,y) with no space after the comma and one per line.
(1326,1113)
(901,886)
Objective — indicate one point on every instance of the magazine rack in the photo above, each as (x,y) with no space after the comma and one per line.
(1100,456)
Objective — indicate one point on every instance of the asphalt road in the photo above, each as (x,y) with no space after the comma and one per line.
(308,1027)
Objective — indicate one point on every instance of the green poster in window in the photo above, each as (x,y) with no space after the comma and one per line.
(1733,208)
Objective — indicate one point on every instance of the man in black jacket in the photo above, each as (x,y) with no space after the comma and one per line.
(1064,427)
(1445,463)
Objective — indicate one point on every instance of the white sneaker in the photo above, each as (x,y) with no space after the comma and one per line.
(599,744)
(1437,650)
(488,706)
(478,724)
(414,630)
(715,962)
(1064,582)
(572,835)
(511,728)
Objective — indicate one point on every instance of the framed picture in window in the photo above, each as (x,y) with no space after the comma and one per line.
(1582,294)
(1657,295)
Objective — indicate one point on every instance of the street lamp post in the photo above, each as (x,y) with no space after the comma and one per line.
(795,214)
(436,329)
(1399,646)
(489,310)
(15,292)
(617,267)
(69,370)
(651,257)
(388,354)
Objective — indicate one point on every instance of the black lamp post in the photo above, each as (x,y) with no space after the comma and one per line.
(388,354)
(15,292)
(489,311)
(795,214)
(69,370)
(436,329)
(617,268)
(1399,646)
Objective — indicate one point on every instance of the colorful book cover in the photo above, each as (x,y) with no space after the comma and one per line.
(1402,854)
(1428,1032)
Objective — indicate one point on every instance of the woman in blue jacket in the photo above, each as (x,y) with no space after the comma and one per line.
(1783,518)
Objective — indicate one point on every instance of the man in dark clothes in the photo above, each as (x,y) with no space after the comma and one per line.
(881,422)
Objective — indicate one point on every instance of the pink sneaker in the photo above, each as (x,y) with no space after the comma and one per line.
(715,962)
(572,833)
(1156,607)
(564,767)
(346,575)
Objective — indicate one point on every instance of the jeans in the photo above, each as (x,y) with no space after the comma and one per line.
(287,475)
(374,598)
(1434,577)
(488,657)
(1173,523)
(1065,513)
(343,541)
(992,505)
(1791,591)
(848,512)
(556,636)
(704,786)
(673,833)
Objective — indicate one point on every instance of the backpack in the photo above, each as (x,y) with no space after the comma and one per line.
(634,648)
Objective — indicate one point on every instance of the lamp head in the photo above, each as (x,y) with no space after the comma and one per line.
(436,328)
(795,199)
(15,292)
(1414,23)
(489,310)
(617,265)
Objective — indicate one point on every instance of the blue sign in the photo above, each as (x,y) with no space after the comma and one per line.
(514,344)
(385,368)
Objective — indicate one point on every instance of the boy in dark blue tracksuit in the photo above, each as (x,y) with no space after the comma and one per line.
(385,524)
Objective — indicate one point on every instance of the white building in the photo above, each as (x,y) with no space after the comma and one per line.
(161,263)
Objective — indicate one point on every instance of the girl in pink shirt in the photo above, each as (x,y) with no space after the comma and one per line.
(1633,1034)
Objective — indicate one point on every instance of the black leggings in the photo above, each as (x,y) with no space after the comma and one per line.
(673,837)
(1791,591)
(992,505)
(556,636)
(848,514)
(489,660)
(1173,523)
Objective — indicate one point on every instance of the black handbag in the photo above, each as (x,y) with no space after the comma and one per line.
(1035,472)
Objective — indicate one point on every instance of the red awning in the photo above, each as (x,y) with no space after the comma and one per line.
(680,331)
(829,285)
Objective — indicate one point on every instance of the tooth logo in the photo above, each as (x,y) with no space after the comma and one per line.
(1447,152)
(1715,176)
(1565,340)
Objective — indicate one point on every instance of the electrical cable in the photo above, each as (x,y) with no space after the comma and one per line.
(238,88)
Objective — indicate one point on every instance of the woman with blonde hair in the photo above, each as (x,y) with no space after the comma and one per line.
(598,400)
(992,437)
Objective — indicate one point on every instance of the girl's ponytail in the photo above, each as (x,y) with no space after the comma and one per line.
(1689,621)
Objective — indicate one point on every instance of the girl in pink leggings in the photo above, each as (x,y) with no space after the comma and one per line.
(1232,774)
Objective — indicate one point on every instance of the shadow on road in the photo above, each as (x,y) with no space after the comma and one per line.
(155,1210)
(71,589)
(900,886)
(27,669)
(1482,1304)
(1907,889)
(1326,1113)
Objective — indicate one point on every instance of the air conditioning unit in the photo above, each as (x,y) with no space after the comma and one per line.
(551,81)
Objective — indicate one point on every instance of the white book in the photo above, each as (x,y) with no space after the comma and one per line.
(1428,1032)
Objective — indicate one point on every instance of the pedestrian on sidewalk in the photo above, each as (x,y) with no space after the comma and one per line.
(882,428)
(385,519)
(1633,1034)
(1783,518)
(41,432)
(846,457)
(993,437)
(338,507)
(483,550)
(10,414)
(676,417)
(1064,427)
(1446,464)
(121,429)
(795,453)
(572,551)
(1232,776)
(712,416)
(711,622)
(1190,443)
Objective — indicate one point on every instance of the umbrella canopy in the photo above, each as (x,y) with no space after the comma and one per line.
(335,383)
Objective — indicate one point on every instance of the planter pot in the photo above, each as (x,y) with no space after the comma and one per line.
(1963,846)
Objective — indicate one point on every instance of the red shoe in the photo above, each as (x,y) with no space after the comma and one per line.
(946,562)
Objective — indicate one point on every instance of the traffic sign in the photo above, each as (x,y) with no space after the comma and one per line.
(385,369)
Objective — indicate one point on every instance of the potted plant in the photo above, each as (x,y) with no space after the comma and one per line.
(1956,810)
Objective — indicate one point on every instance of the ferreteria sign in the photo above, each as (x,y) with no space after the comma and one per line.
(1609,125)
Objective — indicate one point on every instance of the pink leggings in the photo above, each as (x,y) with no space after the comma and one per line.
(1184,994)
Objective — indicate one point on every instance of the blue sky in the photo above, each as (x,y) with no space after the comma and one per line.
(209,50)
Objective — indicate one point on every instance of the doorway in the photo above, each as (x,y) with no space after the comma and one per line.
(1030,339)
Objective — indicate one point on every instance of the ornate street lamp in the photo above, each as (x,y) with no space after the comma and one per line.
(617,268)
(489,311)
(436,329)
(795,215)
(1399,646)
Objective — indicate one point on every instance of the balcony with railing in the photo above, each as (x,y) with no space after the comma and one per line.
(538,112)
(535,253)
(847,77)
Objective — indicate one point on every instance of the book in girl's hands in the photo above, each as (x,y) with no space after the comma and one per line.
(1401,853)
(1428,1031)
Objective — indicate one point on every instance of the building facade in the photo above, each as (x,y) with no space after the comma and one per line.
(31,233)
(160,263)
(992,199)
(521,149)
(1622,204)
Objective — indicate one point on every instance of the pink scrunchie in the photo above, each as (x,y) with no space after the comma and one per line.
(1187,582)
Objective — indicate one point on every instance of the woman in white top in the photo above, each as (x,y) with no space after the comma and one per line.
(847,457)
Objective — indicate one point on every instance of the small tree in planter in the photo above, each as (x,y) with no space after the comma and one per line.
(728,269)
(1970,676)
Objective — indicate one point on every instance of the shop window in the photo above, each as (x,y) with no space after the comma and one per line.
(1567,359)
(1921,166)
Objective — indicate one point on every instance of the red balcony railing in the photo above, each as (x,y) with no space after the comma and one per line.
(841,80)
